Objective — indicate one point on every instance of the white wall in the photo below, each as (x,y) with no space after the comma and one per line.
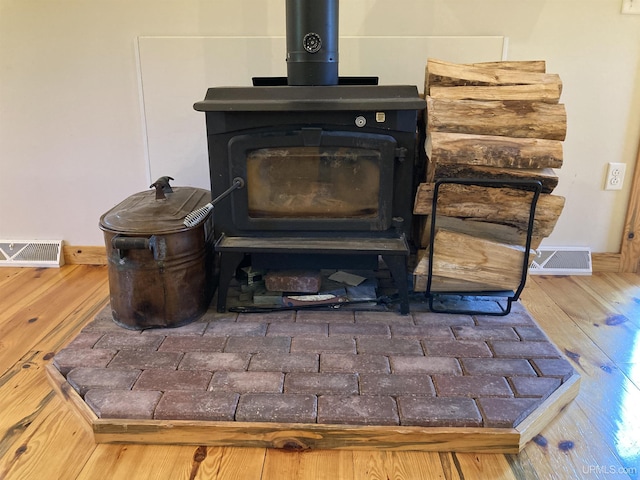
(72,142)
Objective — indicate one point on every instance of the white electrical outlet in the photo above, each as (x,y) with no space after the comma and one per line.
(615,176)
(631,7)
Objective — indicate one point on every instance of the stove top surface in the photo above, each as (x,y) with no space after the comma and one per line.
(316,98)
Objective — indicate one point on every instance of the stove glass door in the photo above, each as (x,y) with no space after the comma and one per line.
(313,182)
(313,179)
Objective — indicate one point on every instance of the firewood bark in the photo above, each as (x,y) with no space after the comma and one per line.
(490,231)
(546,176)
(504,118)
(547,93)
(506,206)
(494,150)
(441,73)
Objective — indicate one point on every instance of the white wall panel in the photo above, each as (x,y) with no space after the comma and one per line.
(176,72)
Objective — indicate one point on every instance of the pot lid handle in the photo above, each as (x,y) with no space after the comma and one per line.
(162,186)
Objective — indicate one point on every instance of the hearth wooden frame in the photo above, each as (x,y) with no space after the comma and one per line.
(301,436)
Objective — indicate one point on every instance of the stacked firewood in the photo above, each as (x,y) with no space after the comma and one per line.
(498,121)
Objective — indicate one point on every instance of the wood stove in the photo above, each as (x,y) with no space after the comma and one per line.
(327,162)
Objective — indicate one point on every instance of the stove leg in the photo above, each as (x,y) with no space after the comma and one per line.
(397,265)
(229,262)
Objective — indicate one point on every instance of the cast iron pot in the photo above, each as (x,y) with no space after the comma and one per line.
(160,271)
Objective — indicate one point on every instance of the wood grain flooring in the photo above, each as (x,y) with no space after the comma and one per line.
(595,320)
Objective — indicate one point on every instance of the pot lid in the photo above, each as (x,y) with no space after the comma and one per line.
(155,211)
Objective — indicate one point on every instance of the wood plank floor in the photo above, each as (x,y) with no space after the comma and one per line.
(595,320)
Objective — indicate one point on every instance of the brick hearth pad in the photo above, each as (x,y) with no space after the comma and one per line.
(319,367)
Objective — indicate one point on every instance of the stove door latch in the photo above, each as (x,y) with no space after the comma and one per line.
(401,154)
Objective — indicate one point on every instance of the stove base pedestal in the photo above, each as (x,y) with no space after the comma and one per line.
(394,252)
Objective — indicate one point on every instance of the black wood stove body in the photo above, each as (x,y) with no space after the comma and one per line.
(327,163)
(319,164)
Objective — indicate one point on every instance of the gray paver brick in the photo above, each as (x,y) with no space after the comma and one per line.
(421,331)
(192,344)
(386,318)
(474,386)
(145,360)
(456,348)
(553,367)
(357,329)
(525,349)
(346,363)
(284,362)
(485,332)
(308,316)
(164,380)
(497,366)
(191,329)
(130,342)
(441,319)
(383,384)
(297,329)
(255,407)
(389,346)
(228,329)
(201,406)
(85,340)
(122,403)
(439,412)
(258,344)
(534,386)
(214,361)
(425,365)
(271,317)
(531,334)
(69,358)
(321,383)
(83,379)
(247,382)
(515,318)
(103,322)
(323,345)
(506,412)
(357,410)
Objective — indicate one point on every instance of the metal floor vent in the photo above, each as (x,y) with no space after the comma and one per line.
(561,261)
(27,253)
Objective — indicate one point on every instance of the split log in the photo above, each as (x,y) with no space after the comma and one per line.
(504,118)
(547,93)
(506,206)
(494,150)
(539,66)
(444,284)
(546,176)
(470,259)
(441,73)
(490,231)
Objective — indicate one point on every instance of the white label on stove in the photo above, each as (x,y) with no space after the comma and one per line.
(380,117)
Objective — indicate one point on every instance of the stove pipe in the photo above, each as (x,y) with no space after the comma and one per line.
(312,42)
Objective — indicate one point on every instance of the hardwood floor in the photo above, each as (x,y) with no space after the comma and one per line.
(595,320)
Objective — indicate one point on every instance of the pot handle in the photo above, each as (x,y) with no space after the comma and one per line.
(122,244)
(162,186)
